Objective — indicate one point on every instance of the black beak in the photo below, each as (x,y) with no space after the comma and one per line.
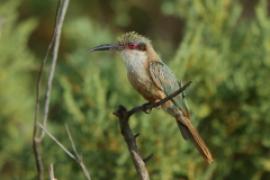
(107,47)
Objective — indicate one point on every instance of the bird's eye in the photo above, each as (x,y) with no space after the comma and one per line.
(141,47)
(131,46)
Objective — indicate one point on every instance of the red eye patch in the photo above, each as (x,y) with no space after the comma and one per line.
(132,46)
(138,46)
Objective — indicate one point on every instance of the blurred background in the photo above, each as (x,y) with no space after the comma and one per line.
(222,46)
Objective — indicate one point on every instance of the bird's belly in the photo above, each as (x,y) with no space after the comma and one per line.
(142,82)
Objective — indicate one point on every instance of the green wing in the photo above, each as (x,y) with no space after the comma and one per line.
(166,81)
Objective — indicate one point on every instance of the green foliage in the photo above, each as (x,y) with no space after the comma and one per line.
(228,56)
(223,51)
(16,96)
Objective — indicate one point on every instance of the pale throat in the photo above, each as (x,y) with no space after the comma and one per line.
(135,61)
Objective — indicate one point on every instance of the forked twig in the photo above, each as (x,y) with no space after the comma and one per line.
(123,115)
(75,155)
(70,154)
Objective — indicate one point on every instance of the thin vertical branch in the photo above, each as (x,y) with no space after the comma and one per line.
(57,35)
(51,172)
(54,44)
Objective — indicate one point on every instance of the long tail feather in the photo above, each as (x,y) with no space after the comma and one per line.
(189,132)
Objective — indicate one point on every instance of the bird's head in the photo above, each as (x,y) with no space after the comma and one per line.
(130,45)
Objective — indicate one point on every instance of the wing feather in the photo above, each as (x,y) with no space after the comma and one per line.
(165,80)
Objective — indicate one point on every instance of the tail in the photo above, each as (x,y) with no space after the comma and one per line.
(189,132)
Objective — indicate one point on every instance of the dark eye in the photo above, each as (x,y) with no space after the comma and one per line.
(141,47)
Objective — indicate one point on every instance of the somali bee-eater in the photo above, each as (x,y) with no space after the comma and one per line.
(154,80)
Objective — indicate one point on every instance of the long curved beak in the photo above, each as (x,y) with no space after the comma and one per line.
(106,47)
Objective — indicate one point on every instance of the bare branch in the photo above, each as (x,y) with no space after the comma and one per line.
(136,135)
(71,139)
(51,172)
(57,35)
(79,159)
(55,41)
(138,162)
(147,158)
(75,156)
(70,154)
(123,115)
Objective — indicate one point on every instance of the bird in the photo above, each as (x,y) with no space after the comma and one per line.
(154,80)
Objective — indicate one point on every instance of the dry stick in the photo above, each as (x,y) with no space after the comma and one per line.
(75,155)
(51,172)
(123,115)
(57,142)
(58,30)
(79,158)
(37,137)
